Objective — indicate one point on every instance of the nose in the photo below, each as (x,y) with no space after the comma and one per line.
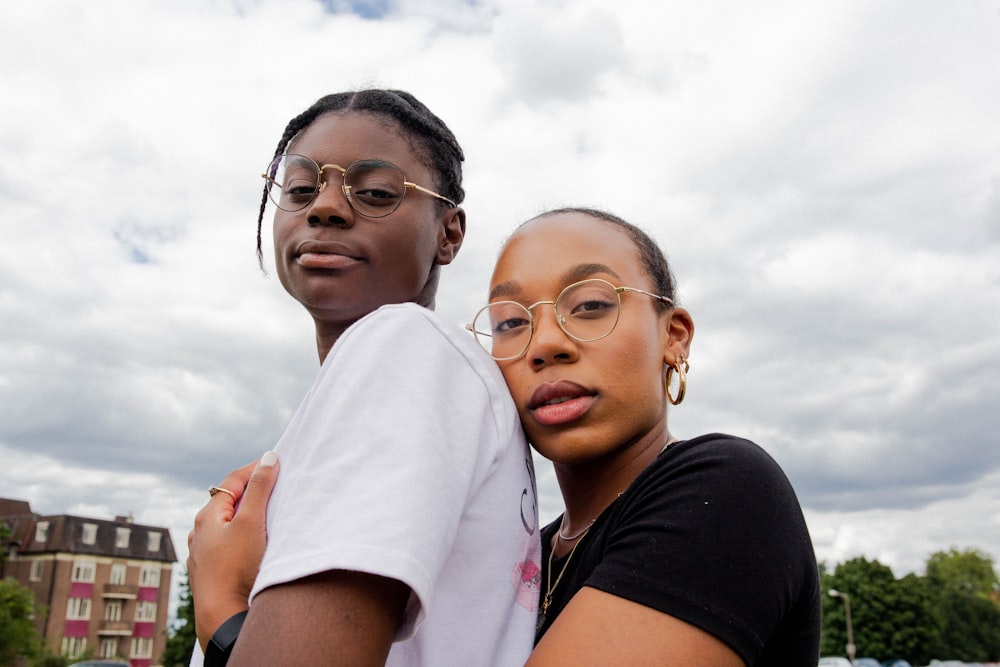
(549,343)
(330,207)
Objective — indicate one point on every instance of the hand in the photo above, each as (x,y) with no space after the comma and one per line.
(226,547)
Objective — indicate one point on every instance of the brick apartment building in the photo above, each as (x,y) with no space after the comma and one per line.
(105,585)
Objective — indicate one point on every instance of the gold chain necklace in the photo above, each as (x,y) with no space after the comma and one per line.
(547,600)
(570,538)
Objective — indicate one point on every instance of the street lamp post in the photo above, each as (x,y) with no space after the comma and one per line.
(850,630)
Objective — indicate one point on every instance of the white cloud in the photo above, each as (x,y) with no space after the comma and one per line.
(558,51)
(824,179)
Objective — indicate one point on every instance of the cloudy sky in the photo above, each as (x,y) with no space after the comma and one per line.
(824,176)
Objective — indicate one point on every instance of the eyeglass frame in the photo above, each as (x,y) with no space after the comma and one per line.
(560,319)
(268,176)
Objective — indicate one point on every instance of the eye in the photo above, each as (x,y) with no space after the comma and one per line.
(507,318)
(590,299)
(298,189)
(592,308)
(511,325)
(374,196)
(375,184)
(301,191)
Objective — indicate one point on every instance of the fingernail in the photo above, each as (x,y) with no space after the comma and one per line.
(269,459)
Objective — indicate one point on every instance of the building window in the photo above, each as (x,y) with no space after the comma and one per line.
(121,537)
(154,541)
(109,648)
(83,571)
(42,531)
(150,576)
(145,611)
(113,611)
(78,609)
(73,646)
(142,647)
(89,533)
(37,568)
(118,574)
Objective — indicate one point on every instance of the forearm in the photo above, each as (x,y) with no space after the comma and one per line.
(332,618)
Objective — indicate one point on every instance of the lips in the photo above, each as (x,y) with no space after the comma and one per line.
(560,402)
(315,254)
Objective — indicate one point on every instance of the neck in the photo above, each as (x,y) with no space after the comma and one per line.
(589,488)
(323,344)
(327,333)
(329,329)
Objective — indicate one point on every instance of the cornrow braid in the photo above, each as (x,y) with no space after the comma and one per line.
(430,137)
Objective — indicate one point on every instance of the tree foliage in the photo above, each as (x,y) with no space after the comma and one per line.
(182,636)
(966,592)
(19,638)
(891,618)
(4,540)
(952,612)
(967,572)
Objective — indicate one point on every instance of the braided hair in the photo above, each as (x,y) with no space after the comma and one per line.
(430,137)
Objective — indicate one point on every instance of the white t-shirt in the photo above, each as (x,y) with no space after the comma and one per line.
(406,459)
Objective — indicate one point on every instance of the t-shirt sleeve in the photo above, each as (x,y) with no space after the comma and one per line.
(378,461)
(715,536)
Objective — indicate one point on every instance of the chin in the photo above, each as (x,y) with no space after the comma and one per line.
(556,449)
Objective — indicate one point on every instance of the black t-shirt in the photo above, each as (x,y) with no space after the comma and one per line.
(710,533)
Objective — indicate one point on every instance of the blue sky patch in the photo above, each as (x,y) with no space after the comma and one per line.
(368,9)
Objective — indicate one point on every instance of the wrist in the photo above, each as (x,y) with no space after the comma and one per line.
(209,617)
(220,646)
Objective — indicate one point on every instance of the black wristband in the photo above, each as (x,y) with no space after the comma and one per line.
(221,645)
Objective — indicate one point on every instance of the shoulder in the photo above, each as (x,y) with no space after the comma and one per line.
(712,443)
(404,327)
(716,454)
(400,318)
(713,518)
(726,482)
(409,351)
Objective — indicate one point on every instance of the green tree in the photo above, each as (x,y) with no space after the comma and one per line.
(968,572)
(917,625)
(181,637)
(19,638)
(891,618)
(50,659)
(4,541)
(966,591)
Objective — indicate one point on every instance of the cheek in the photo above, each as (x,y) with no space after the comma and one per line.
(279,233)
(638,371)
(280,229)
(510,376)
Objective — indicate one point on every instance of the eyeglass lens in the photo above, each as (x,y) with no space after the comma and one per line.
(373,188)
(586,311)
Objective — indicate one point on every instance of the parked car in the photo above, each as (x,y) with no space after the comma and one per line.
(897,662)
(834,661)
(867,662)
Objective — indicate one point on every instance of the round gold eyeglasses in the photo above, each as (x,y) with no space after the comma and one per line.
(586,311)
(373,188)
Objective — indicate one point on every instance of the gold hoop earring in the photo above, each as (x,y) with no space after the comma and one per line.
(681,367)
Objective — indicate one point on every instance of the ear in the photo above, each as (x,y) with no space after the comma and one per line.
(451,235)
(680,331)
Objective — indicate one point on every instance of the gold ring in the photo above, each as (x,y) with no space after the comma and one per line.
(212,490)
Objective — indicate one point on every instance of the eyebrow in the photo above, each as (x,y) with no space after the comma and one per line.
(576,273)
